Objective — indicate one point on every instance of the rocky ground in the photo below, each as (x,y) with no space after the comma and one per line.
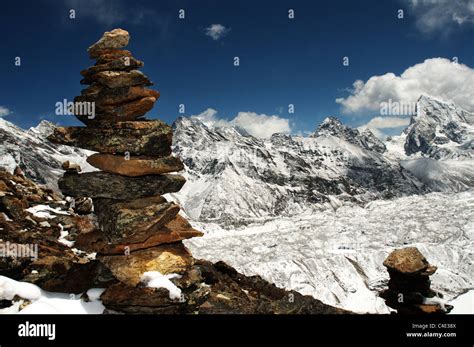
(33,215)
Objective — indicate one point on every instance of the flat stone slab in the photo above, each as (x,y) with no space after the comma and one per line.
(123,219)
(111,186)
(117,79)
(103,96)
(135,165)
(176,230)
(152,138)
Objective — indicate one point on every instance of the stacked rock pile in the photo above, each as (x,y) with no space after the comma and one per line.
(409,285)
(139,240)
(140,230)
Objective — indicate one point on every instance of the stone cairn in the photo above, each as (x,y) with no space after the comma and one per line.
(140,230)
(409,289)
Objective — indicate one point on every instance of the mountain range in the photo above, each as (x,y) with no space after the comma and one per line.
(235,179)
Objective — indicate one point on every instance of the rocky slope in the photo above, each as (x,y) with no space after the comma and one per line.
(32,215)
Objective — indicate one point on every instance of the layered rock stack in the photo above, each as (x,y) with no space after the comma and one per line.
(409,285)
(140,230)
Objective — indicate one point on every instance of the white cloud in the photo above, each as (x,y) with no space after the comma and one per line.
(437,77)
(217,31)
(258,125)
(4,111)
(377,123)
(261,125)
(442,15)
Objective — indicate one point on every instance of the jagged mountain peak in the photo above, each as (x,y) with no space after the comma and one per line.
(439,129)
(332,126)
(43,129)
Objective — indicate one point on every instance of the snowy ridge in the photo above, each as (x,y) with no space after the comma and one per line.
(437,146)
(38,158)
(440,130)
(235,178)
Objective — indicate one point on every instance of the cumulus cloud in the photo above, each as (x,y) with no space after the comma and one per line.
(377,124)
(442,15)
(258,125)
(217,31)
(437,77)
(4,111)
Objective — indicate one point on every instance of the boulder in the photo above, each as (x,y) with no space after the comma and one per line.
(117,38)
(166,259)
(406,261)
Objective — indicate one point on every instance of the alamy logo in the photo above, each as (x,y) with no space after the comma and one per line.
(397,108)
(16,250)
(37,330)
(69,108)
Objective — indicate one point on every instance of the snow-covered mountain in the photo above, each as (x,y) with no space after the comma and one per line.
(437,147)
(234,177)
(38,158)
(440,130)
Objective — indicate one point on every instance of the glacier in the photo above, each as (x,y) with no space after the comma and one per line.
(336,255)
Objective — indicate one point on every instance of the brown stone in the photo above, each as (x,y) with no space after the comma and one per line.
(407,261)
(108,55)
(167,259)
(104,96)
(71,167)
(141,300)
(117,38)
(123,219)
(116,79)
(110,186)
(135,166)
(120,64)
(127,111)
(176,230)
(152,138)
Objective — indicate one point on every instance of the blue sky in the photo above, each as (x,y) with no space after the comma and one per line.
(282,61)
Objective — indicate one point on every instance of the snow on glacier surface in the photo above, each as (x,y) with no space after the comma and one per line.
(336,255)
